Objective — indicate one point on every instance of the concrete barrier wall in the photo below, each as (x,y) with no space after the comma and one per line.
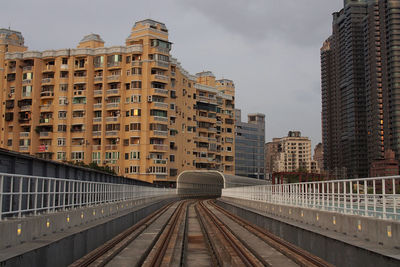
(343,240)
(61,238)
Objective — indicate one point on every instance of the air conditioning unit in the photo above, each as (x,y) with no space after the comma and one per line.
(150,99)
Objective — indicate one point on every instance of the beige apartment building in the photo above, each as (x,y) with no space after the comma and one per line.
(132,108)
(290,153)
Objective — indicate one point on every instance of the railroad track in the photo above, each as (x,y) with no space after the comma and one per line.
(197,233)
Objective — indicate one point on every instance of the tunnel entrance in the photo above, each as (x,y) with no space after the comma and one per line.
(211,183)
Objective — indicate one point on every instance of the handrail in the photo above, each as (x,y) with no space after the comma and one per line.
(377,197)
(22,195)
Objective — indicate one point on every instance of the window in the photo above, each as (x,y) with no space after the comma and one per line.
(26,91)
(135,127)
(63,101)
(77,155)
(65,61)
(136,84)
(61,141)
(134,155)
(61,155)
(9,142)
(172,158)
(27,76)
(172,106)
(63,87)
(96,157)
(132,169)
(62,128)
(62,114)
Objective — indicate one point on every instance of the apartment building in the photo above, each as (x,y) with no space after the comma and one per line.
(293,153)
(132,108)
(360,81)
(249,145)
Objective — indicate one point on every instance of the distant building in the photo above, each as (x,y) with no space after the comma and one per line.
(249,145)
(271,152)
(360,85)
(385,167)
(319,156)
(293,154)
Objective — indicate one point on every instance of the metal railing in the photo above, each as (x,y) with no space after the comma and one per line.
(22,195)
(371,197)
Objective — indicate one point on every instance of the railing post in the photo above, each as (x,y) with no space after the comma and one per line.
(1,196)
(384,198)
(35,201)
(351,197)
(20,197)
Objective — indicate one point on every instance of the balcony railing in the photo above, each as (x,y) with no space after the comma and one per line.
(111,147)
(110,133)
(112,91)
(97,92)
(98,79)
(113,64)
(23,148)
(160,161)
(26,81)
(161,77)
(112,119)
(24,134)
(46,93)
(96,147)
(96,133)
(158,118)
(160,91)
(113,77)
(160,147)
(47,80)
(26,108)
(97,105)
(161,105)
(160,133)
(45,134)
(27,68)
(112,105)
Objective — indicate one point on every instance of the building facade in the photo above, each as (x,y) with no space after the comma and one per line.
(319,156)
(293,153)
(132,108)
(249,145)
(360,84)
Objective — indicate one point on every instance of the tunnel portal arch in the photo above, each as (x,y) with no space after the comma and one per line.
(210,183)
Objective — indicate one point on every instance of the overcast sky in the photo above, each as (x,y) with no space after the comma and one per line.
(270,48)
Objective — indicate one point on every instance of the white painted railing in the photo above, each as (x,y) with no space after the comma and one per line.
(22,195)
(373,197)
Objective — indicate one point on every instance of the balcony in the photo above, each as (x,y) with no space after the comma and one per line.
(47,94)
(97,105)
(46,108)
(45,121)
(45,135)
(112,105)
(27,81)
(97,119)
(158,118)
(26,108)
(97,92)
(96,147)
(161,105)
(79,92)
(111,147)
(23,148)
(98,79)
(27,68)
(137,63)
(49,68)
(158,91)
(12,69)
(47,80)
(112,92)
(80,79)
(160,78)
(112,119)
(113,64)
(112,133)
(96,133)
(160,161)
(24,134)
(160,133)
(113,78)
(161,64)
(64,66)
(156,147)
